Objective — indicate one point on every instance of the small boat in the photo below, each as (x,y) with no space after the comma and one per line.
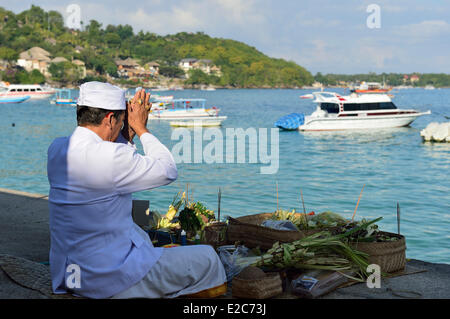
(179,109)
(34,91)
(161,98)
(370,87)
(200,121)
(12,99)
(207,88)
(356,111)
(63,97)
(160,88)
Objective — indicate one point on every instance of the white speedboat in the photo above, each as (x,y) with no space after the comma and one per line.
(199,121)
(355,111)
(187,113)
(34,91)
(179,109)
(160,88)
(207,88)
(161,98)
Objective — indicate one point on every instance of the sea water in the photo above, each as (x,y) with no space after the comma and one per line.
(329,168)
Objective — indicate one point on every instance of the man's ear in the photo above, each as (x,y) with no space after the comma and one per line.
(108,118)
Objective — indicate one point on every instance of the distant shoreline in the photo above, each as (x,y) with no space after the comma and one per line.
(247,88)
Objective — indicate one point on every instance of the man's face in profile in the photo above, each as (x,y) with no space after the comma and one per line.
(117,125)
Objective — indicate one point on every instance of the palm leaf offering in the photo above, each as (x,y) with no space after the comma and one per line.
(322,250)
(311,220)
(183,214)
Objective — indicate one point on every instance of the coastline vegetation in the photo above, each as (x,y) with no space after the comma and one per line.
(437,80)
(98,47)
(241,65)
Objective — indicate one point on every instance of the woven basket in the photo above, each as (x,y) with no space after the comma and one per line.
(263,288)
(247,230)
(390,256)
(215,234)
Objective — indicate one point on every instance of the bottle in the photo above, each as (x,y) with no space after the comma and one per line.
(183,238)
(197,239)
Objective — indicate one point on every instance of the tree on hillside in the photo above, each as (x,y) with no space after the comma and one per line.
(94,32)
(125,32)
(64,72)
(171,71)
(240,64)
(113,40)
(197,76)
(36,77)
(54,22)
(32,16)
(8,54)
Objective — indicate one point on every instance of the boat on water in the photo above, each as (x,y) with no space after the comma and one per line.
(179,111)
(207,88)
(64,97)
(370,87)
(200,121)
(12,99)
(34,91)
(355,111)
(160,88)
(161,98)
(183,108)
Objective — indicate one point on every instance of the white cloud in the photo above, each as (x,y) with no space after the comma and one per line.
(243,12)
(172,21)
(326,36)
(318,22)
(424,29)
(376,56)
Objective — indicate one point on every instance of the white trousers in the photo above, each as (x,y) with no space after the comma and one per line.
(179,271)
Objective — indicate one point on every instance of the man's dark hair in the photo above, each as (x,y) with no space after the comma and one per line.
(93,116)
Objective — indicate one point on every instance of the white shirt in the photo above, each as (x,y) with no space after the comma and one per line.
(91,182)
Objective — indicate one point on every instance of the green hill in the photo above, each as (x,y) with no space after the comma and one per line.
(241,65)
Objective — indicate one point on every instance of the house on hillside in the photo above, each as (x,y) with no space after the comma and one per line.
(153,67)
(52,41)
(204,65)
(187,64)
(59,59)
(130,69)
(78,49)
(35,59)
(215,70)
(126,68)
(81,67)
(414,78)
(3,65)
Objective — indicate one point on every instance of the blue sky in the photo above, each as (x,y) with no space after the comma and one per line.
(327,36)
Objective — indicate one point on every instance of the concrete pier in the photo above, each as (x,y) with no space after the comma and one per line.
(24,232)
